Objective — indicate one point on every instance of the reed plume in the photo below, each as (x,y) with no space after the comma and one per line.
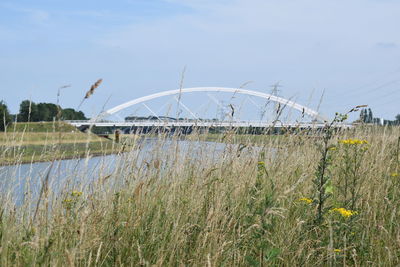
(93,88)
(91,91)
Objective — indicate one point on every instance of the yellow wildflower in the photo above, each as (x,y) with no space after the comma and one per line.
(332,148)
(345,213)
(306,200)
(68,200)
(365,148)
(394,174)
(261,163)
(76,193)
(353,142)
(337,250)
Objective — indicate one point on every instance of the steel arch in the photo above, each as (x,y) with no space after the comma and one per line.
(310,112)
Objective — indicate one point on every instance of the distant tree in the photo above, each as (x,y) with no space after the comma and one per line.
(24,111)
(43,112)
(53,111)
(366,116)
(47,111)
(398,117)
(363,115)
(28,111)
(5,117)
(72,114)
(14,117)
(370,117)
(67,114)
(80,115)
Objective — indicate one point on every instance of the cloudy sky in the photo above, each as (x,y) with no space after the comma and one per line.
(348,49)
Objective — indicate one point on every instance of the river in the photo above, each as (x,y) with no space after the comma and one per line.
(16,181)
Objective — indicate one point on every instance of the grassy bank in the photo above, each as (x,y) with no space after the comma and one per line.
(310,203)
(41,127)
(40,153)
(45,141)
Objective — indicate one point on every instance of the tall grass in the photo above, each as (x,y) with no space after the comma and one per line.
(245,203)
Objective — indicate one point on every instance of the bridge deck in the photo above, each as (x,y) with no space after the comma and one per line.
(207,124)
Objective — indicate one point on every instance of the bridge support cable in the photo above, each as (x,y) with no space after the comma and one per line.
(241,106)
(263,109)
(216,101)
(279,110)
(290,112)
(186,108)
(207,104)
(134,113)
(254,102)
(119,117)
(152,112)
(162,107)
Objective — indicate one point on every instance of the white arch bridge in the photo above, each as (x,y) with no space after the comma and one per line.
(316,120)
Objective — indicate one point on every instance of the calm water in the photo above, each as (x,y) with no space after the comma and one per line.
(15,180)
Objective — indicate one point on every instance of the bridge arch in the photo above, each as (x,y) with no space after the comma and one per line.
(310,112)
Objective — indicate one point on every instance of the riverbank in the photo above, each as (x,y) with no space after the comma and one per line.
(41,153)
(47,141)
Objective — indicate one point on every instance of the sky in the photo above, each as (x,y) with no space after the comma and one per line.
(346,53)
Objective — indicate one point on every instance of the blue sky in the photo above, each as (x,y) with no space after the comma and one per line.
(350,49)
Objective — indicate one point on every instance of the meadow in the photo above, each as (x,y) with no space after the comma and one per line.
(328,198)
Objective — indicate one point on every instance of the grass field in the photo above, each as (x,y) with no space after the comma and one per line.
(44,127)
(44,141)
(327,200)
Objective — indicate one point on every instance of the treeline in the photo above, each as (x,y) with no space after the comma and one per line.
(366,116)
(32,112)
(5,117)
